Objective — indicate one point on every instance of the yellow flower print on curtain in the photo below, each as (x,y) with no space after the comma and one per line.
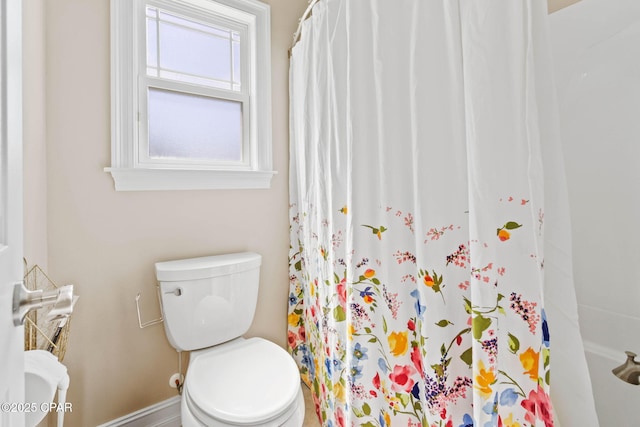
(384,341)
(417,214)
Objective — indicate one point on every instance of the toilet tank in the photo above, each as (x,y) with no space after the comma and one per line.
(209,300)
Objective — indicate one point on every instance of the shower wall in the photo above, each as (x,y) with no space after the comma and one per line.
(597,58)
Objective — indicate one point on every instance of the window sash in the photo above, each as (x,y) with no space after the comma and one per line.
(143,158)
(145,82)
(228,34)
(128,25)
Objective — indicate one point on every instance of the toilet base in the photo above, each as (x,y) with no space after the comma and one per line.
(295,419)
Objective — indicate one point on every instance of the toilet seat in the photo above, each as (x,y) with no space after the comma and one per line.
(243,382)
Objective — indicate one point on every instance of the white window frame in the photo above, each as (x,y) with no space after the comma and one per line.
(130,169)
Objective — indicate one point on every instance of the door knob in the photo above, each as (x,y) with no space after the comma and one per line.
(25,301)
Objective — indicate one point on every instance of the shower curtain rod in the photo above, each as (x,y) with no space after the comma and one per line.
(305,16)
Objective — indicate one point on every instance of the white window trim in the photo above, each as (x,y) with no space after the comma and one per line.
(129,174)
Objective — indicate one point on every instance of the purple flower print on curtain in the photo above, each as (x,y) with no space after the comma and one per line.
(417,215)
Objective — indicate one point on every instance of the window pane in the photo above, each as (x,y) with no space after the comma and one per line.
(194,52)
(152,46)
(168,17)
(236,63)
(188,51)
(185,126)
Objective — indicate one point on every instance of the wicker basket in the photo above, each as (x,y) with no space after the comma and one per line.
(39,332)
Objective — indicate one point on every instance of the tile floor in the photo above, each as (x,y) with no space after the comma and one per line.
(310,418)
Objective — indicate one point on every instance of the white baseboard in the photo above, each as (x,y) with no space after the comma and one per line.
(162,414)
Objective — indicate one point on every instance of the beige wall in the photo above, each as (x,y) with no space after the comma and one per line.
(35,161)
(106,242)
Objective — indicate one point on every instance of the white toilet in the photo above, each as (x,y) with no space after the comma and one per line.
(208,303)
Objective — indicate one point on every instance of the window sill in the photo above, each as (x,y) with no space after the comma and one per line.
(138,179)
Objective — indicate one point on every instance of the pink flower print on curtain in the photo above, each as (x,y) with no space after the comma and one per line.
(417,215)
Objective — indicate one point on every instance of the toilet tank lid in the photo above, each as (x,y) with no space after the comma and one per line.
(206,267)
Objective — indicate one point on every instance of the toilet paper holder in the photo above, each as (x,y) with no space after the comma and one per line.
(150,322)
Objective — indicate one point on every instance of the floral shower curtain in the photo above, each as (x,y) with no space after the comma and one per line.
(417,213)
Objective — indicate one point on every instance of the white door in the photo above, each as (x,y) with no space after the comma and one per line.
(11,337)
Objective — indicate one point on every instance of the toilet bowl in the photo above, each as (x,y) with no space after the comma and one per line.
(208,303)
(250,382)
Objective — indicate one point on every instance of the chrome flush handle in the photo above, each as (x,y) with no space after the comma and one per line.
(177,292)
